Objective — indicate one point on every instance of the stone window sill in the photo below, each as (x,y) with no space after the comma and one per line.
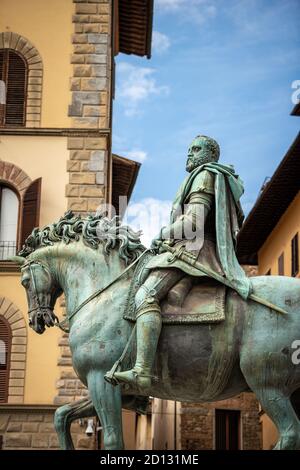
(9,267)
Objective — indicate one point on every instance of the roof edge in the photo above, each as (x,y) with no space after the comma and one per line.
(296,110)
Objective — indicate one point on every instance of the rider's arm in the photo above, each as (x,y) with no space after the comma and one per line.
(196,211)
(197,206)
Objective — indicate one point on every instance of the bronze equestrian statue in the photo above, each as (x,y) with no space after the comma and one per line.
(216,189)
(180,321)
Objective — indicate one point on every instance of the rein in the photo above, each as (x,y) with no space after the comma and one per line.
(98,292)
(86,301)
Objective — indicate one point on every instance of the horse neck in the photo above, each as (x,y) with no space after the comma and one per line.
(81,271)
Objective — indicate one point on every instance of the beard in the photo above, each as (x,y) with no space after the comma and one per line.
(195,162)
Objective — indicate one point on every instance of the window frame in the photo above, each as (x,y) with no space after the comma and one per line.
(4,184)
(295,255)
(4,78)
(227,416)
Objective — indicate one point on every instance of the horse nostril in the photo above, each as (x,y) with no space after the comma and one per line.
(30,322)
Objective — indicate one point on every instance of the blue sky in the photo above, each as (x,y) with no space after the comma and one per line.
(222,68)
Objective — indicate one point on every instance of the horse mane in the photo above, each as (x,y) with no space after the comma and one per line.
(93,230)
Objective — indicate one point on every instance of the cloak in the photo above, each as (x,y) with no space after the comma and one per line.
(228,188)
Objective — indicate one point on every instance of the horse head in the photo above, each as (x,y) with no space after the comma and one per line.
(42,293)
(73,243)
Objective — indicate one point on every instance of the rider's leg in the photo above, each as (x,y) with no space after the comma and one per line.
(148,315)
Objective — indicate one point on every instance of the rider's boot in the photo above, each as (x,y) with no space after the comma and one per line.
(148,331)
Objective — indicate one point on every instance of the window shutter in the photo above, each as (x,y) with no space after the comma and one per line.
(13,71)
(30,209)
(281,265)
(1,63)
(16,91)
(2,106)
(5,345)
(295,255)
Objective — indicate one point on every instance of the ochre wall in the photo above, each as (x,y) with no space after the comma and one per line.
(41,371)
(41,157)
(269,433)
(48,26)
(280,241)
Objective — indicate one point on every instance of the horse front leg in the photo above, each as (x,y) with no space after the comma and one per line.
(107,401)
(66,414)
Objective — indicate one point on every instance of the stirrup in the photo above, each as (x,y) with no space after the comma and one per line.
(138,380)
(110,375)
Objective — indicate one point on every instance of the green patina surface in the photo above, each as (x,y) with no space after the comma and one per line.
(252,349)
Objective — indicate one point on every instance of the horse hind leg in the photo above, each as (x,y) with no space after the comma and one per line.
(66,414)
(279,408)
(269,386)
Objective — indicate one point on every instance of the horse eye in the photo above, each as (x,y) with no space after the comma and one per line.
(25,283)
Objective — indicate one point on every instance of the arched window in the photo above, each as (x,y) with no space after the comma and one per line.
(5,348)
(9,214)
(13,73)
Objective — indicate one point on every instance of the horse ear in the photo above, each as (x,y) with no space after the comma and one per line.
(18,259)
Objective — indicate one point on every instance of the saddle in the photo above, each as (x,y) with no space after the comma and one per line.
(191,300)
(194,300)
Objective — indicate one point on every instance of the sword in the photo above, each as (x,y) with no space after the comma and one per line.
(191,260)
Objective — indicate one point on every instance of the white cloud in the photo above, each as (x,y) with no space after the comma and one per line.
(135,85)
(137,155)
(193,10)
(170,4)
(148,215)
(160,42)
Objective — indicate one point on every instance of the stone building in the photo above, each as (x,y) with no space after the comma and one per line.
(57,82)
(227,425)
(56,90)
(270,238)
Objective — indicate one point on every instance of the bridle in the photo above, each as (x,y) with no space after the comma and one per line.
(40,307)
(35,296)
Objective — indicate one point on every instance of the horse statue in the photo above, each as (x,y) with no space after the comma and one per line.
(92,261)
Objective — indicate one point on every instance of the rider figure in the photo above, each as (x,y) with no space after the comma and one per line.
(209,196)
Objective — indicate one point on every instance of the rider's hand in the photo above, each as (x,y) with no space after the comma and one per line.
(156,244)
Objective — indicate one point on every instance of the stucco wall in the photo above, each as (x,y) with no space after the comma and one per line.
(41,372)
(39,157)
(279,241)
(48,26)
(44,157)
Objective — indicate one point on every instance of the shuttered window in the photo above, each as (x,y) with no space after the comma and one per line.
(295,255)
(5,348)
(17,223)
(281,265)
(30,209)
(13,73)
(9,212)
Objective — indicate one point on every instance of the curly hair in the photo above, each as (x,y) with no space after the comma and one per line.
(212,149)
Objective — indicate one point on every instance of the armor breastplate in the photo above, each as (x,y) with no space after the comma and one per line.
(210,225)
